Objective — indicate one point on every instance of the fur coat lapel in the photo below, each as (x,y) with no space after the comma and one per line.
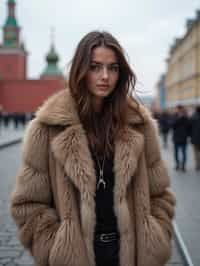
(70,147)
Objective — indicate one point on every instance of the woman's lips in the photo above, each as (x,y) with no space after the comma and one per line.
(103,87)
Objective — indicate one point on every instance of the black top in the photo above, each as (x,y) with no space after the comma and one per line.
(105,218)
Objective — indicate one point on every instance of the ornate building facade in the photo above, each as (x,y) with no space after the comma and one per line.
(182,81)
(17,92)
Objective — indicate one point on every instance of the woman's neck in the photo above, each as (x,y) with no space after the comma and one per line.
(97,104)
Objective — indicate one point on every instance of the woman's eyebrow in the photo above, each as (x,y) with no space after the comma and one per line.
(99,63)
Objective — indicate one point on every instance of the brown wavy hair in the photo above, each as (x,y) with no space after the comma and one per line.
(104,128)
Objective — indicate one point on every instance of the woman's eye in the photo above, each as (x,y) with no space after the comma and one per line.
(94,67)
(98,68)
(114,68)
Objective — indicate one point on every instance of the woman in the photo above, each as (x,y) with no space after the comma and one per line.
(93,189)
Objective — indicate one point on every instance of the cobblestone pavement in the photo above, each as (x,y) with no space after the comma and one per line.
(11,251)
(10,135)
(186,186)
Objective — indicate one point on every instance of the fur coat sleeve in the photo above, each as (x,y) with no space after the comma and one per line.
(31,200)
(162,200)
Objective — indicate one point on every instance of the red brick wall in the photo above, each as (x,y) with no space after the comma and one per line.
(27,95)
(13,66)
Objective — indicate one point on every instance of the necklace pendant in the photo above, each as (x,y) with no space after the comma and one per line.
(101,181)
(101,173)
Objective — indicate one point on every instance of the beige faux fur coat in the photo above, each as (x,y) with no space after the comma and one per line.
(53,200)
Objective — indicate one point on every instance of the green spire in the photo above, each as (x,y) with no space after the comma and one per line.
(11,1)
(11,20)
(52,68)
(52,59)
(11,29)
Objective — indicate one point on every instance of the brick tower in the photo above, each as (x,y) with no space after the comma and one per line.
(12,52)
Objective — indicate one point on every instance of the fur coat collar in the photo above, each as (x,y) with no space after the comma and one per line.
(60,110)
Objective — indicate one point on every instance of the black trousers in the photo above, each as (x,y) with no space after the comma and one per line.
(107,254)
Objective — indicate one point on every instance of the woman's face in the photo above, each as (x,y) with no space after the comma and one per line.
(103,74)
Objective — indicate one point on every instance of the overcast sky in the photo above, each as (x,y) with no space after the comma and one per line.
(145,28)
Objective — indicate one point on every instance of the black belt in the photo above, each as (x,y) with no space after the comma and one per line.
(106,237)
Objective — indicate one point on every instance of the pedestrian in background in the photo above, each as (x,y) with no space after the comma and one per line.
(164,125)
(93,189)
(195,136)
(180,128)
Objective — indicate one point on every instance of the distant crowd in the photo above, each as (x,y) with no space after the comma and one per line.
(185,129)
(14,119)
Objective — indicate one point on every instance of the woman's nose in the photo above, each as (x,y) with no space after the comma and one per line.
(105,73)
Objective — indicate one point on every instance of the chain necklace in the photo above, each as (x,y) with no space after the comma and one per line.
(101,179)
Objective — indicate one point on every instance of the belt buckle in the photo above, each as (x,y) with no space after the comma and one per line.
(105,237)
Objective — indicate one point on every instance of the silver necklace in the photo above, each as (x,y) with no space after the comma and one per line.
(101,179)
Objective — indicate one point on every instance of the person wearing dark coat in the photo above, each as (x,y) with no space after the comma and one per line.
(164,124)
(180,128)
(195,136)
